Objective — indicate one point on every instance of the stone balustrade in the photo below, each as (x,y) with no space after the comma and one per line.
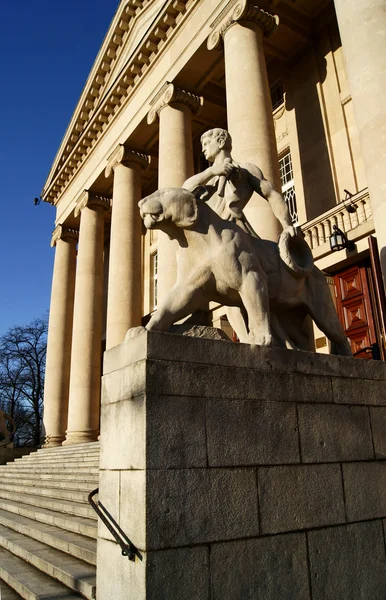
(347,215)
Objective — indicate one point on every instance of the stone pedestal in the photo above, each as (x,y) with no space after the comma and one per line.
(242,472)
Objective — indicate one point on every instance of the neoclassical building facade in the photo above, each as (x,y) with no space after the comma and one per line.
(300,85)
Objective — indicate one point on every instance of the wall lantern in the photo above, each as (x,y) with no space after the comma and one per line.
(339,241)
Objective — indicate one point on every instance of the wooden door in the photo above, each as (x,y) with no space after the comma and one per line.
(355,309)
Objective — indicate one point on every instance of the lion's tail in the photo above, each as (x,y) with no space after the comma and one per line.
(295,254)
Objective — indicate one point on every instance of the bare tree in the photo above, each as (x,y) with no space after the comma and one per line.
(22,369)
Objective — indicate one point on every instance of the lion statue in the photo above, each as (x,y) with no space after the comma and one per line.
(273,286)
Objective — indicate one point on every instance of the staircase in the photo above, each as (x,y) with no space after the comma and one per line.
(48,530)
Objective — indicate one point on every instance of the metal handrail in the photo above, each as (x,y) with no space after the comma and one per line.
(127,546)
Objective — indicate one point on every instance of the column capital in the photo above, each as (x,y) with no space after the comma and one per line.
(91,199)
(123,155)
(238,11)
(170,94)
(63,233)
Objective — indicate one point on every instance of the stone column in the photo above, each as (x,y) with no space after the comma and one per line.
(124,300)
(56,386)
(174,108)
(86,354)
(242,29)
(362,26)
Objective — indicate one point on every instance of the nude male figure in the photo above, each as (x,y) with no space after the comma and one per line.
(231,185)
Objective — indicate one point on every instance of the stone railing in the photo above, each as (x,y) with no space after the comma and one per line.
(347,215)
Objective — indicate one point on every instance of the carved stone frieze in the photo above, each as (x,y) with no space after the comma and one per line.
(126,156)
(170,94)
(63,233)
(241,10)
(91,199)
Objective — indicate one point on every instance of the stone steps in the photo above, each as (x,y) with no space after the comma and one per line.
(62,451)
(79,509)
(73,449)
(82,525)
(75,574)
(60,477)
(51,482)
(7,593)
(67,541)
(47,528)
(85,467)
(48,454)
(51,492)
(57,459)
(29,582)
(39,470)
(87,461)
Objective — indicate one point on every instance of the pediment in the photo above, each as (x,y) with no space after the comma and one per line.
(138,28)
(136,34)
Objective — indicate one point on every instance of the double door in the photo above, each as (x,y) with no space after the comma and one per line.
(359,306)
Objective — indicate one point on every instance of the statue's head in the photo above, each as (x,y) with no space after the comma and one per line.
(169,208)
(215,140)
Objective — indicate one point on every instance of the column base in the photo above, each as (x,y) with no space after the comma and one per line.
(81,437)
(53,440)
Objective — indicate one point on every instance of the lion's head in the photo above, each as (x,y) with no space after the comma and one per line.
(175,206)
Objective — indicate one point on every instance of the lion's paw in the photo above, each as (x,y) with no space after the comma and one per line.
(134,332)
(260,339)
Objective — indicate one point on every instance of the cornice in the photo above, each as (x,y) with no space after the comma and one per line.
(123,155)
(98,106)
(241,10)
(90,199)
(63,233)
(170,94)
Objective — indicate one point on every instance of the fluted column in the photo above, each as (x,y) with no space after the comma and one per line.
(124,300)
(242,29)
(174,108)
(56,385)
(362,26)
(86,353)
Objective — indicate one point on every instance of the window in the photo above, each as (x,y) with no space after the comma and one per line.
(288,186)
(153,280)
(277,94)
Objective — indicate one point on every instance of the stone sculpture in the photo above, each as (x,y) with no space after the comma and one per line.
(231,185)
(274,285)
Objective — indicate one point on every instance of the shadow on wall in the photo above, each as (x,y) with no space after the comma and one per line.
(383,263)
(319,191)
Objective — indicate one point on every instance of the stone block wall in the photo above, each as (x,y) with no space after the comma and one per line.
(242,472)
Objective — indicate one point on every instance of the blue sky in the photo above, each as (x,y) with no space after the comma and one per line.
(48,49)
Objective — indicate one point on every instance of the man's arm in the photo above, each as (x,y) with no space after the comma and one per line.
(265,189)
(202,178)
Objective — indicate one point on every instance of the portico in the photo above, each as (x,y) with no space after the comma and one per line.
(167,72)
(174,116)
